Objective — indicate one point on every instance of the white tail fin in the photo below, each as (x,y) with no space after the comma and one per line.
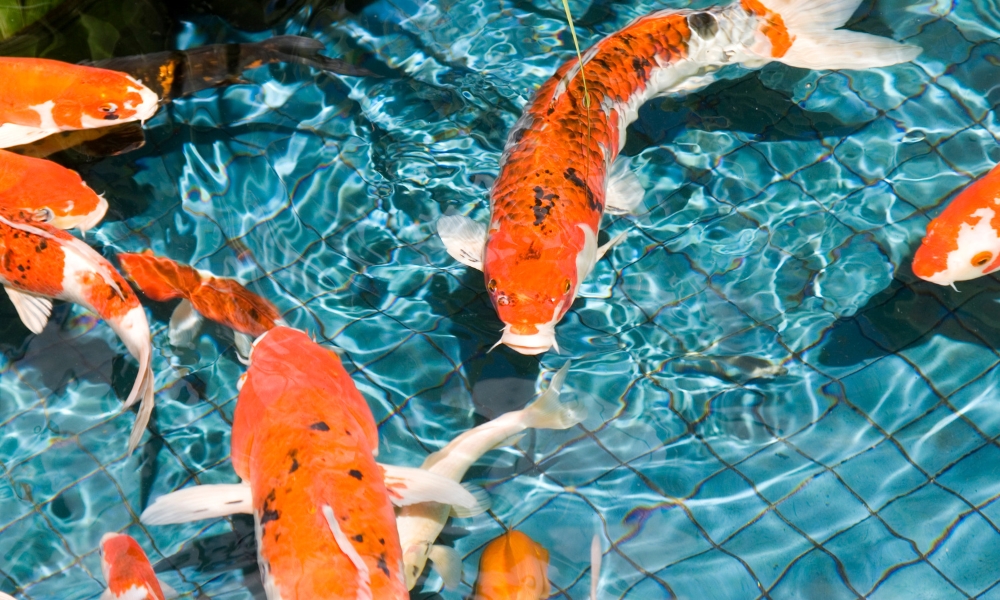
(547,412)
(808,25)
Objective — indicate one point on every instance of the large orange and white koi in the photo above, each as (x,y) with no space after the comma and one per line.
(49,192)
(558,172)
(40,97)
(39,262)
(420,524)
(963,242)
(219,299)
(127,570)
(304,444)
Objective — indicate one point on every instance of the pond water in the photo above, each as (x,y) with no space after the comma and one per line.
(778,407)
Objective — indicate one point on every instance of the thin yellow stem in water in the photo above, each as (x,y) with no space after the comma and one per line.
(579,57)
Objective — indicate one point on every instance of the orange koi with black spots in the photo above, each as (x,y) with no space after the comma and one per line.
(39,263)
(41,97)
(558,173)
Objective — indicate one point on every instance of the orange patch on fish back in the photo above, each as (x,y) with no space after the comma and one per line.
(296,467)
(773,27)
(159,278)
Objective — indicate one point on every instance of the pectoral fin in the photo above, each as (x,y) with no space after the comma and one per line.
(448,564)
(624,192)
(611,244)
(33,310)
(185,323)
(364,576)
(199,502)
(464,239)
(408,485)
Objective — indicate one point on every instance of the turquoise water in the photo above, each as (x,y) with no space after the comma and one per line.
(778,407)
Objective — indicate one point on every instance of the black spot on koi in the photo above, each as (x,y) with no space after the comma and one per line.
(359,538)
(320,426)
(704,24)
(543,204)
(355,474)
(382,564)
(572,176)
(295,462)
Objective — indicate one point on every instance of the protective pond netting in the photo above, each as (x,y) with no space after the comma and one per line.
(778,407)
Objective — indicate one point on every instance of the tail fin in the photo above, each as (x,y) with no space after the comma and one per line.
(148,387)
(547,412)
(803,33)
(159,278)
(306,51)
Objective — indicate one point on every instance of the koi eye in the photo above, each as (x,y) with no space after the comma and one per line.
(110,107)
(567,286)
(44,215)
(491,286)
(503,301)
(981,259)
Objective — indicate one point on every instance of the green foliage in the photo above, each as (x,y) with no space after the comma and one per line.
(15,15)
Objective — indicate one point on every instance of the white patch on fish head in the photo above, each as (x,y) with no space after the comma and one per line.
(974,242)
(44,110)
(148,104)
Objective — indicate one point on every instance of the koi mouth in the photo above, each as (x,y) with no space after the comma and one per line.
(532,344)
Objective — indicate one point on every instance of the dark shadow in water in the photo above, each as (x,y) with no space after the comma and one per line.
(236,550)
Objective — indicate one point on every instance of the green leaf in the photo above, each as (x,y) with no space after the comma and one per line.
(15,15)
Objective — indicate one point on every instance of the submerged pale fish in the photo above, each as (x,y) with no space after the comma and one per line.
(559,174)
(420,524)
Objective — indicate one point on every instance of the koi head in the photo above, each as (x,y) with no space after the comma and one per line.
(100,97)
(963,242)
(83,210)
(513,566)
(533,280)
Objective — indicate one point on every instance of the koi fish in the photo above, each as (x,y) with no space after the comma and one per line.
(558,173)
(963,242)
(304,444)
(177,73)
(420,524)
(127,570)
(4,596)
(40,262)
(49,192)
(221,300)
(48,96)
(513,567)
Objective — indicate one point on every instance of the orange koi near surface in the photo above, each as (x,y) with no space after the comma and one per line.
(49,192)
(513,567)
(41,97)
(39,262)
(559,174)
(219,299)
(963,242)
(127,570)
